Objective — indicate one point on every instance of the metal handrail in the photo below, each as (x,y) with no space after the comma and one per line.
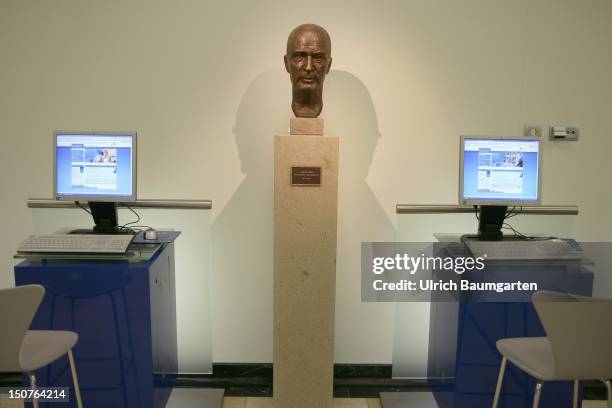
(455,209)
(168,204)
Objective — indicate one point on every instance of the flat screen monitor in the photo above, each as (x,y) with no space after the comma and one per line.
(499,171)
(94,166)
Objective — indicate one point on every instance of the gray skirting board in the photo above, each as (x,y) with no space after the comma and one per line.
(196,398)
(407,399)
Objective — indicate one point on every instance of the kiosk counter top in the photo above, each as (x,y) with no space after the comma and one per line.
(136,253)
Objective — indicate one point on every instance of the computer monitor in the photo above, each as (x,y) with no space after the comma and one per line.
(97,167)
(495,173)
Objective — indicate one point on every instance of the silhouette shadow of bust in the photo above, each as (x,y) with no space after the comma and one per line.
(242,234)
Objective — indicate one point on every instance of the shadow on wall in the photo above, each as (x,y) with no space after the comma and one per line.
(242,237)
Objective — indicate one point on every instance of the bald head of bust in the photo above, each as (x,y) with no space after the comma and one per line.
(307,61)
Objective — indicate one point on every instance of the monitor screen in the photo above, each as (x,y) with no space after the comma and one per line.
(499,171)
(95,166)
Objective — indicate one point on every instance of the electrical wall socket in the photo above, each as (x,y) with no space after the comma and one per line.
(564,133)
(533,131)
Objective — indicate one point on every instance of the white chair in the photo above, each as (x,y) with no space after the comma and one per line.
(577,346)
(24,350)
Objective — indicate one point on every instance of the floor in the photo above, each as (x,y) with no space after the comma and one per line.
(253,402)
(180,394)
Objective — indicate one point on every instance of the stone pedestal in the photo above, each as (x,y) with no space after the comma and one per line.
(305,219)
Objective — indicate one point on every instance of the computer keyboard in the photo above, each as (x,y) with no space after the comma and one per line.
(82,243)
(524,250)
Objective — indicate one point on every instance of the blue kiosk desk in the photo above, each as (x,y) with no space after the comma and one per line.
(124,312)
(463,359)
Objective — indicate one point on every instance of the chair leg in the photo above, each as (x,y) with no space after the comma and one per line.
(576,391)
(75,380)
(500,380)
(538,394)
(34,387)
(609,388)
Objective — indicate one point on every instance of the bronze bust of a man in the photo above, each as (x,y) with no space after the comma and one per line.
(307,61)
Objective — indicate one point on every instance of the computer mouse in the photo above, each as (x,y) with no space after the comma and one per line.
(150,234)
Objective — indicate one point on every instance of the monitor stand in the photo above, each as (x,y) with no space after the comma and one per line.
(490,222)
(105,218)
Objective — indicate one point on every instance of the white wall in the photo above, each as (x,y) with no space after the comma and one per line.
(203,84)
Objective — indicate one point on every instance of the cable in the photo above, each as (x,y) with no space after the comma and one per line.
(133,222)
(526,237)
(516,233)
(134,228)
(83,208)
(514,213)
(124,226)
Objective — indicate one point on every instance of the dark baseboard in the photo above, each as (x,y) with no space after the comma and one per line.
(255,380)
(10,380)
(350,381)
(238,370)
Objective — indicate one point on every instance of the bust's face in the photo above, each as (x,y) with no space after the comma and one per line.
(308,60)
